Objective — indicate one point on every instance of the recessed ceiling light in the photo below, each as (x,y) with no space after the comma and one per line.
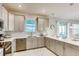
(19,5)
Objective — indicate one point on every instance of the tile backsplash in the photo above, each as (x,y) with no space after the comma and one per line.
(10,33)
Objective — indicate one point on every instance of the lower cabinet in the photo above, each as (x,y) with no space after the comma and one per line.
(40,42)
(47,42)
(56,46)
(52,45)
(71,50)
(31,42)
(35,42)
(59,48)
(20,44)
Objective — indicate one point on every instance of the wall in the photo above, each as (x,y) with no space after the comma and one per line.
(53,20)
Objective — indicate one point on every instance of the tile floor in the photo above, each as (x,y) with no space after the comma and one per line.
(35,52)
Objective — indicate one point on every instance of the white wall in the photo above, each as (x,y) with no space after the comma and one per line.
(53,20)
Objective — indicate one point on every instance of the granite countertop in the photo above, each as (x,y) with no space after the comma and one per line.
(68,40)
(7,39)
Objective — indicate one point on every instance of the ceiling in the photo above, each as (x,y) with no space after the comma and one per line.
(60,10)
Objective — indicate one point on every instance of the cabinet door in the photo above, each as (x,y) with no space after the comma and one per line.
(71,50)
(11,22)
(20,44)
(47,42)
(34,39)
(5,18)
(40,42)
(0,11)
(59,48)
(29,43)
(52,45)
(42,24)
(19,23)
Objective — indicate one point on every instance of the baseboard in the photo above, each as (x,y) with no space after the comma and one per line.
(52,51)
(35,48)
(27,49)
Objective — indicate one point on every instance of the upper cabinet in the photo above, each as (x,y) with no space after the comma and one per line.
(5,18)
(19,23)
(0,11)
(15,22)
(42,24)
(11,22)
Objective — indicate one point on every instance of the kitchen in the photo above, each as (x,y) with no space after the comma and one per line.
(43,29)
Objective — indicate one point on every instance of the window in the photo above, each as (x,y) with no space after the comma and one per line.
(30,25)
(62,29)
(75,29)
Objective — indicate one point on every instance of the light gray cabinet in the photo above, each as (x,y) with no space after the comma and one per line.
(35,42)
(19,23)
(55,46)
(15,22)
(71,50)
(59,48)
(5,19)
(52,45)
(42,24)
(1,11)
(47,42)
(40,42)
(11,22)
(31,42)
